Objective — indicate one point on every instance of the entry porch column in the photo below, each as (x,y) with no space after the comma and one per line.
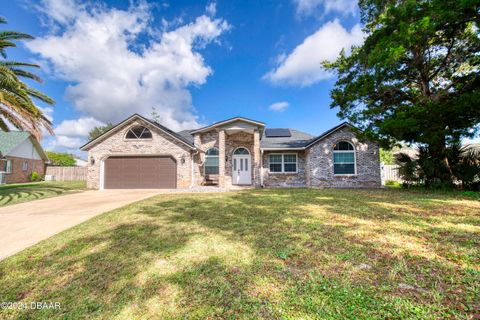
(221,158)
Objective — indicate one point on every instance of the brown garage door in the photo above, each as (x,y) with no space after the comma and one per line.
(140,173)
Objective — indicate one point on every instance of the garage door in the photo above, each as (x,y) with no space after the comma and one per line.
(140,173)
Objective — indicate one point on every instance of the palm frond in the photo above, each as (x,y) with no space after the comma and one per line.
(40,96)
(13,35)
(18,64)
(26,74)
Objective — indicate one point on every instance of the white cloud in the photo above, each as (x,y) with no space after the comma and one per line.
(211,8)
(311,7)
(112,76)
(65,143)
(303,65)
(77,128)
(279,106)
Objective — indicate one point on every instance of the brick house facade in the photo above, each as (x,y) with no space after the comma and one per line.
(20,155)
(237,151)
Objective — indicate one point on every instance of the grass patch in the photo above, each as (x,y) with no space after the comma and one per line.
(23,192)
(290,254)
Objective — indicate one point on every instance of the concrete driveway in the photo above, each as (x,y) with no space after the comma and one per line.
(24,224)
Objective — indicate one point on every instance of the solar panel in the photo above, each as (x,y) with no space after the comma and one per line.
(273,133)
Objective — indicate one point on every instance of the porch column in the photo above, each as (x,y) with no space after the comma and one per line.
(256,158)
(221,158)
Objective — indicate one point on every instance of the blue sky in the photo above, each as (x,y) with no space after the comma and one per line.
(196,62)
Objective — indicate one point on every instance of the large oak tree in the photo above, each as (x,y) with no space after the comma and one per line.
(416,77)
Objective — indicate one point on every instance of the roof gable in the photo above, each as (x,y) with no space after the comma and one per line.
(329,132)
(130,119)
(10,141)
(228,122)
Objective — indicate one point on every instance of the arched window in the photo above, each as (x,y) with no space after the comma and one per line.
(343,158)
(241,151)
(211,161)
(138,132)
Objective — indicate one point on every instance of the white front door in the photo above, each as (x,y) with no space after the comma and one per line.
(242,169)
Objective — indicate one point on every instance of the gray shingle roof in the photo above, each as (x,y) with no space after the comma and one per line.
(9,140)
(298,140)
(186,135)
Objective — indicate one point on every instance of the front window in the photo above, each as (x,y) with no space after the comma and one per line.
(211,161)
(283,162)
(25,166)
(138,132)
(343,158)
(6,166)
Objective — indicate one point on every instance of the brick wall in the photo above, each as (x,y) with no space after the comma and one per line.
(18,175)
(160,144)
(205,141)
(319,165)
(209,139)
(280,179)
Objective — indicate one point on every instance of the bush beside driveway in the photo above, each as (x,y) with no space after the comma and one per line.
(260,254)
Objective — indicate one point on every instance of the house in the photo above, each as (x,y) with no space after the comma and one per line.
(20,155)
(140,153)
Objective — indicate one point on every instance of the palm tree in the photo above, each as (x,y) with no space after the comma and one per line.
(16,97)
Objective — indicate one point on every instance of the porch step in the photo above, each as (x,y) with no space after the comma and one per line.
(211,180)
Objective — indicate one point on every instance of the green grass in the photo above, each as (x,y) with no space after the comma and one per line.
(22,192)
(273,254)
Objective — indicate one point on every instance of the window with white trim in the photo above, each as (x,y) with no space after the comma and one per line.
(138,132)
(6,166)
(343,158)
(282,162)
(211,161)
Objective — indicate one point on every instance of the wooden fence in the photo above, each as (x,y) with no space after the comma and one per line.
(390,172)
(67,173)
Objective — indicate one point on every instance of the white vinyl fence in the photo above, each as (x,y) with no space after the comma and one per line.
(390,172)
(67,173)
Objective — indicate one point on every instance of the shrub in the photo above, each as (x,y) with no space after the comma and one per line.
(459,165)
(35,176)
(392,183)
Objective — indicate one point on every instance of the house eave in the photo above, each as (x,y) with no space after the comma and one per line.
(224,122)
(282,149)
(329,132)
(100,138)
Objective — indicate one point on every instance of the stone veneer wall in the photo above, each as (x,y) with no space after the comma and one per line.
(160,144)
(209,139)
(284,179)
(233,142)
(319,166)
(204,141)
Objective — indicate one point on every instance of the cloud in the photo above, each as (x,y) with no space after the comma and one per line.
(311,7)
(65,143)
(71,134)
(77,128)
(113,74)
(279,106)
(211,9)
(302,66)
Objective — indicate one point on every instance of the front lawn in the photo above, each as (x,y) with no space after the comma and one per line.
(22,192)
(291,254)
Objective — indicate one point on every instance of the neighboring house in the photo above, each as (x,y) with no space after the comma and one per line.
(20,155)
(80,162)
(140,153)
